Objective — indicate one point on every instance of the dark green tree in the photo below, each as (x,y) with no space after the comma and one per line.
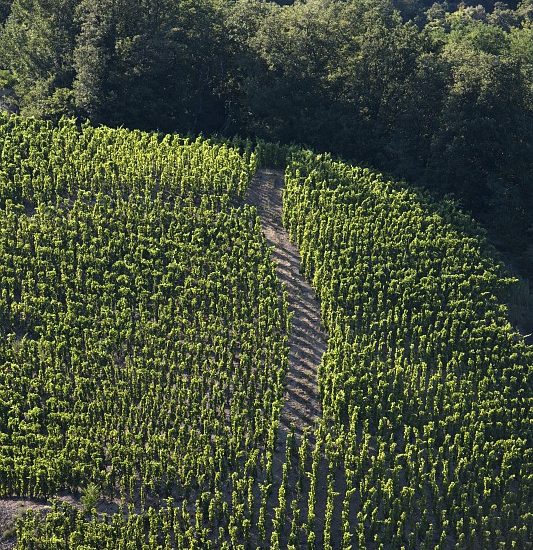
(93,58)
(149,64)
(5,8)
(483,148)
(36,45)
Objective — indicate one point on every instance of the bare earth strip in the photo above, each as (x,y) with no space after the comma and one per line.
(13,507)
(307,340)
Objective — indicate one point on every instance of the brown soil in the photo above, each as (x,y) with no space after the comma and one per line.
(10,510)
(307,339)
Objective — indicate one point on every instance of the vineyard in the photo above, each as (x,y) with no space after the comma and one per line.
(425,387)
(143,336)
(149,353)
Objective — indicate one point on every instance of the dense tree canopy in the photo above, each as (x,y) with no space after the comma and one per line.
(440,94)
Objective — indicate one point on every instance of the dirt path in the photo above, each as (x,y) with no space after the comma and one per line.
(307,340)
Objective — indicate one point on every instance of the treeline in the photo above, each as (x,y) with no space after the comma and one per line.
(443,98)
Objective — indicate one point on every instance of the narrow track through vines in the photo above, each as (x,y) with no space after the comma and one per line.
(307,339)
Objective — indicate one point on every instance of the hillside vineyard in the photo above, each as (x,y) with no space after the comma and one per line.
(143,351)
(425,387)
(142,333)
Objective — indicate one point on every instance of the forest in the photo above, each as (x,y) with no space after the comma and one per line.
(439,94)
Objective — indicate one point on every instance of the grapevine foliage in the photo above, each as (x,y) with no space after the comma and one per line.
(143,352)
(425,386)
(142,334)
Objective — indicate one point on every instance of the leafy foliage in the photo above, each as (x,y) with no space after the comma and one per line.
(142,328)
(426,388)
(440,94)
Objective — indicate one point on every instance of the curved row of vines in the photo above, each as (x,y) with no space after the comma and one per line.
(425,386)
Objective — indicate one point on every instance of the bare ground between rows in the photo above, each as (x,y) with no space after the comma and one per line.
(307,339)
